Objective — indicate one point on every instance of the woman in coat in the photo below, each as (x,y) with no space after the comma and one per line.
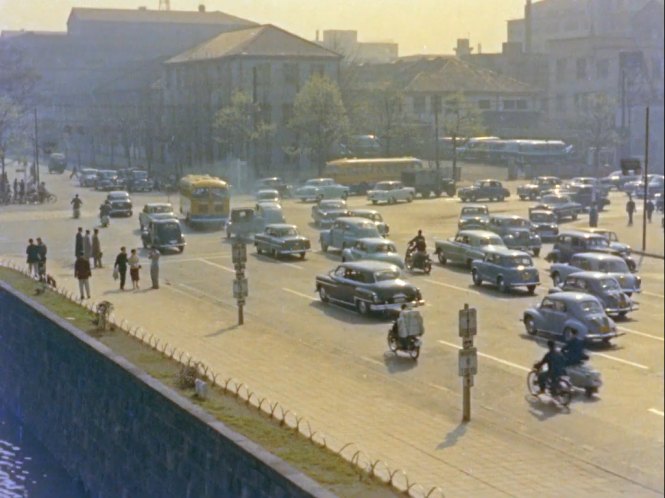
(134,267)
(154,267)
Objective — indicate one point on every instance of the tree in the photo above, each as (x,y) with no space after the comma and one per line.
(319,118)
(10,116)
(462,118)
(596,125)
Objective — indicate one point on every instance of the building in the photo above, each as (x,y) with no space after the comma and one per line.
(346,42)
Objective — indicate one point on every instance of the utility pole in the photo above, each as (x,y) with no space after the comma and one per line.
(468,357)
(646,182)
(436,107)
(240,286)
(36,148)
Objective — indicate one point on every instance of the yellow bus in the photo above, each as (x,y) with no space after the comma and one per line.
(204,200)
(361,174)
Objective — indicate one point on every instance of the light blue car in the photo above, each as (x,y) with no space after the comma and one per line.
(376,249)
(608,264)
(506,269)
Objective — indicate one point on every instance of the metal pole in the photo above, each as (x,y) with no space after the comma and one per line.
(36,147)
(436,138)
(241,316)
(646,182)
(466,401)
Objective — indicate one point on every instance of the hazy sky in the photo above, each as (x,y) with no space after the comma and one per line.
(419,26)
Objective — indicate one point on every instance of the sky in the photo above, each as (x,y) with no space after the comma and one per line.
(419,26)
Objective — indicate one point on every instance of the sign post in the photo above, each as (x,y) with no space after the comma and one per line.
(468,357)
(240,285)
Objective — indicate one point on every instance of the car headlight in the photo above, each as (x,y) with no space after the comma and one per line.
(375,297)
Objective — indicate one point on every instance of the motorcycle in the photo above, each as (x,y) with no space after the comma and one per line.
(410,344)
(104,220)
(424,264)
(585,378)
(561,395)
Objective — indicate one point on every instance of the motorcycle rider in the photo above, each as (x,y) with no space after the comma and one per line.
(408,323)
(418,248)
(555,368)
(573,350)
(105,212)
(76,203)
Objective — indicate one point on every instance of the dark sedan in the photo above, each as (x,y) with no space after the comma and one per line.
(368,286)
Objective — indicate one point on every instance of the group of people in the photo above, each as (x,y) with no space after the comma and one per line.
(571,354)
(21,191)
(631,207)
(123,261)
(36,259)
(86,248)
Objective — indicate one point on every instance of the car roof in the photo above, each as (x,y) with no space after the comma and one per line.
(591,275)
(370,265)
(158,204)
(239,209)
(270,206)
(507,217)
(332,201)
(269,179)
(281,225)
(583,234)
(474,206)
(388,181)
(375,241)
(572,296)
(364,211)
(107,171)
(478,233)
(504,251)
(541,210)
(119,193)
(598,256)
(355,220)
(267,191)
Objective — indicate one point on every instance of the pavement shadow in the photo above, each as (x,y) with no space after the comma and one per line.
(342,313)
(492,291)
(545,409)
(397,363)
(223,331)
(452,437)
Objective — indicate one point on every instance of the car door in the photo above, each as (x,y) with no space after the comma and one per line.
(553,313)
(347,284)
(337,234)
(358,251)
(336,287)
(457,247)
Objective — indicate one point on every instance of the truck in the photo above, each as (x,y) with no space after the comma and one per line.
(429,181)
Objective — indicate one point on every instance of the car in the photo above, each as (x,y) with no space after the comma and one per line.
(559,314)
(590,181)
(613,266)
(613,239)
(534,189)
(544,223)
(346,231)
(375,216)
(155,208)
(368,286)
(507,269)
(587,196)
(270,195)
(274,183)
(573,242)
(617,179)
(317,189)
(483,189)
(375,249)
(163,234)
(561,205)
(87,177)
(57,162)
(107,179)
(474,216)
(281,239)
(327,211)
(121,203)
(245,222)
(516,232)
(466,246)
(390,192)
(601,285)
(137,180)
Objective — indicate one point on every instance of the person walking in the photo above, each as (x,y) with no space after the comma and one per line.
(154,267)
(120,267)
(83,273)
(15,189)
(650,209)
(32,252)
(21,190)
(96,249)
(630,209)
(78,243)
(134,267)
(41,264)
(87,246)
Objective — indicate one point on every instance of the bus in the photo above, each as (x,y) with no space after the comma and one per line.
(361,174)
(204,201)
(494,150)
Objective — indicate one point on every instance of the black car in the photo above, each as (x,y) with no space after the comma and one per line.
(573,242)
(163,234)
(121,203)
(483,189)
(274,183)
(561,205)
(368,286)
(139,181)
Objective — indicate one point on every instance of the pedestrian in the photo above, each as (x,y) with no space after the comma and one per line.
(134,267)
(96,249)
(32,251)
(593,216)
(87,246)
(15,189)
(120,267)
(41,265)
(78,243)
(154,267)
(630,209)
(82,272)
(21,190)
(650,209)
(74,172)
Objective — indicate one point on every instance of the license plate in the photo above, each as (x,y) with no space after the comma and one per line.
(400,299)
(604,329)
(525,276)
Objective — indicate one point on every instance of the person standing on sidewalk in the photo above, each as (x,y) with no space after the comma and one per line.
(593,216)
(41,265)
(96,249)
(120,267)
(650,209)
(630,209)
(87,246)
(134,267)
(78,243)
(32,251)
(154,267)
(83,273)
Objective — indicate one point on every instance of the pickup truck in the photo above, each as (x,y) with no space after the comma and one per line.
(280,239)
(466,246)
(390,192)
(429,181)
(484,189)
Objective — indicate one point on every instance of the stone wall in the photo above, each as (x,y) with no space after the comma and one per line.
(119,430)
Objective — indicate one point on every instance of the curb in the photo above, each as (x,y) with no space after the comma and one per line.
(649,254)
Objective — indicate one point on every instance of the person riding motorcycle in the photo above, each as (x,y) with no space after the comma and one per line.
(408,323)
(417,247)
(555,368)
(105,211)
(573,351)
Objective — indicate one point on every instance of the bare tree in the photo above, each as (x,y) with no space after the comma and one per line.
(596,126)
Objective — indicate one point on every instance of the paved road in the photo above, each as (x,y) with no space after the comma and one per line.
(331,365)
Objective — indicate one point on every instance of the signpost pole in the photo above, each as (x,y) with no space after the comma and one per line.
(240,287)
(468,357)
(646,182)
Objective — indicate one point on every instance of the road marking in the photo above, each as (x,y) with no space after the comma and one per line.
(299,294)
(452,286)
(653,294)
(225,268)
(440,388)
(371,360)
(489,357)
(293,265)
(656,412)
(631,331)
(620,360)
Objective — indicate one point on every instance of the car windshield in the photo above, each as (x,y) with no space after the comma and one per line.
(598,242)
(382,275)
(140,175)
(487,241)
(591,307)
(106,174)
(516,261)
(273,216)
(384,186)
(118,197)
(609,284)
(474,211)
(286,232)
(267,195)
(161,209)
(517,223)
(315,182)
(542,217)
(332,205)
(616,266)
(168,231)
(556,199)
(382,248)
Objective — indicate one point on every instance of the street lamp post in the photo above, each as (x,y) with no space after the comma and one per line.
(436,108)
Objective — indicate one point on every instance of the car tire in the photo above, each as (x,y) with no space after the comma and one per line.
(442,258)
(259,250)
(345,196)
(501,198)
(556,279)
(409,199)
(631,265)
(302,255)
(343,259)
(530,326)
(323,294)
(324,247)
(522,197)
(501,285)
(181,250)
(463,199)
(536,252)
(362,307)
(469,263)
(375,202)
(574,216)
(531,289)
(477,280)
(273,253)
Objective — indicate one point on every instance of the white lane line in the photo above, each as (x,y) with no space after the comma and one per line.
(171,261)
(225,268)
(489,357)
(631,331)
(310,298)
(440,388)
(292,265)
(653,294)
(621,360)
(452,286)
(657,412)
(370,360)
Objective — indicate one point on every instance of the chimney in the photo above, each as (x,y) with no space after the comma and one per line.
(317,35)
(463,47)
(479,50)
(202,8)
(528,21)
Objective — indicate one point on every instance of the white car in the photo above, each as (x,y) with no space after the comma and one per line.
(317,189)
(269,195)
(390,192)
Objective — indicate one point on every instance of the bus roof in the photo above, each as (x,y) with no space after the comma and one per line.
(202,181)
(373,160)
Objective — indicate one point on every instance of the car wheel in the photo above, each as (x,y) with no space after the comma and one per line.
(363,307)
(463,199)
(375,202)
(531,289)
(469,263)
(259,250)
(556,279)
(181,249)
(324,247)
(567,334)
(345,195)
(409,199)
(501,198)
(442,258)
(530,325)
(477,280)
(323,295)
(533,197)
(501,284)
(302,255)
(522,197)
(536,252)
(472,198)
(574,216)
(631,265)
(343,259)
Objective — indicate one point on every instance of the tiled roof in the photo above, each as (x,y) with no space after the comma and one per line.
(156,16)
(267,41)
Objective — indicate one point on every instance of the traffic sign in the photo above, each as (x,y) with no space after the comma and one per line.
(240,288)
(239,252)
(467,322)
(468,362)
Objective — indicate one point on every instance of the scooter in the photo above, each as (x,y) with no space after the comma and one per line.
(104,220)
(424,264)
(562,395)
(410,344)
(585,378)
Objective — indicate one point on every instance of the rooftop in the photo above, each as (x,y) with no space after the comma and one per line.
(154,16)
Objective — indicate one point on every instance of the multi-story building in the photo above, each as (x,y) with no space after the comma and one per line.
(346,42)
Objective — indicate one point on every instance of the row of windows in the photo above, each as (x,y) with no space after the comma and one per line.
(420,104)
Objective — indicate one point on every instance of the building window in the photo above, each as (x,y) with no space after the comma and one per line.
(581,68)
(561,70)
(602,68)
(419,105)
(561,103)
(291,74)
(521,104)
(319,69)
(484,104)
(508,105)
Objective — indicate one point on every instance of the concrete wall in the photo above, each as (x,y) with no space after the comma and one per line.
(117,429)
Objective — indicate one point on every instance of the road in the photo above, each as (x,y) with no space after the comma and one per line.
(332,366)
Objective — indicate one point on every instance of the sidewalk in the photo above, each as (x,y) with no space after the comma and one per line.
(485,458)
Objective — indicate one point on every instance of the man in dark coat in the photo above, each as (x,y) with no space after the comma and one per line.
(120,266)
(78,245)
(41,265)
(32,252)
